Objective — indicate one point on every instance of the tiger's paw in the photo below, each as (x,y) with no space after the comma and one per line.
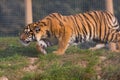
(115,51)
(98,46)
(58,53)
(92,48)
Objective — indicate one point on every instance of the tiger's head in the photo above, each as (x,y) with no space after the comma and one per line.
(27,35)
(32,32)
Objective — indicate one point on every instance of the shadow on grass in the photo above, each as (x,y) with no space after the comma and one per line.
(21,50)
(10,46)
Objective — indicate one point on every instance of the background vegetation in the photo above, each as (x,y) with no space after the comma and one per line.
(12,11)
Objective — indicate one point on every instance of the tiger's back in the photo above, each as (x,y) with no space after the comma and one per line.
(96,25)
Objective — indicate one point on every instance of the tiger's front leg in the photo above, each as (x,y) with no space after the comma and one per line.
(63,43)
(62,46)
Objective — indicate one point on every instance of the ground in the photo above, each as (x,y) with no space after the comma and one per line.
(25,63)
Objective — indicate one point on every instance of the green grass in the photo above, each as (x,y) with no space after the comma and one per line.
(76,64)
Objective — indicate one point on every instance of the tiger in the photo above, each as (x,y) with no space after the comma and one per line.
(43,44)
(98,26)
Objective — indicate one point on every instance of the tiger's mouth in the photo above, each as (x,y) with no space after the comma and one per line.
(25,43)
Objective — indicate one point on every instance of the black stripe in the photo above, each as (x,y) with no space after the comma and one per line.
(94,26)
(81,19)
(113,35)
(89,26)
(96,23)
(109,32)
(115,21)
(109,18)
(88,18)
(110,15)
(78,27)
(60,15)
(51,26)
(100,30)
(90,32)
(56,17)
(105,32)
(84,31)
(103,19)
(100,24)
(73,19)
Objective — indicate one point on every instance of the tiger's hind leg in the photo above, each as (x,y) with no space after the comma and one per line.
(113,47)
(118,46)
(98,46)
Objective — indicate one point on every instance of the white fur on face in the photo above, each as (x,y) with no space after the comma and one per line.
(23,43)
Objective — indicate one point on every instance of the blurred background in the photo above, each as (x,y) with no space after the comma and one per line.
(13,13)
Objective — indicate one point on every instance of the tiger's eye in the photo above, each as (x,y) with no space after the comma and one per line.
(37,29)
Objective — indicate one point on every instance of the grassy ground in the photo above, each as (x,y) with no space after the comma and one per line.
(25,63)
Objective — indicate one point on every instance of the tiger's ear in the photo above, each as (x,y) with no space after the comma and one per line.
(37,29)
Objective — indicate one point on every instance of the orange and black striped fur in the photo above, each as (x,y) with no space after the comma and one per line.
(99,26)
